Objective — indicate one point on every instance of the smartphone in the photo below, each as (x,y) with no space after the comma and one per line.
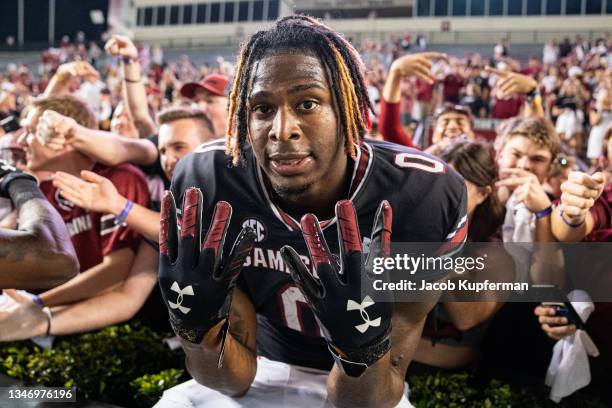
(553,296)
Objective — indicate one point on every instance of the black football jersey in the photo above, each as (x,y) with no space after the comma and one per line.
(428,199)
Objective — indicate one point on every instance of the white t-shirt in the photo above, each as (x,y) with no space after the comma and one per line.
(91,93)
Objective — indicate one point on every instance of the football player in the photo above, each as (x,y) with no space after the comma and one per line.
(253,318)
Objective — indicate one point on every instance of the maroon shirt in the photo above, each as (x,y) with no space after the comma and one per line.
(452,86)
(95,235)
(507,108)
(599,325)
(602,215)
(424,91)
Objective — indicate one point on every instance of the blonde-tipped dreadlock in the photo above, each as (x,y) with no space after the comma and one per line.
(341,60)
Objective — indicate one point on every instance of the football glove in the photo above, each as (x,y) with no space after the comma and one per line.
(197,280)
(356,327)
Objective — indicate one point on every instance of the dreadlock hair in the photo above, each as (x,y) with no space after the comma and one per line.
(308,35)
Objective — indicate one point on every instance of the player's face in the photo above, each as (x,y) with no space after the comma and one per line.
(215,106)
(176,139)
(519,152)
(452,125)
(38,156)
(292,125)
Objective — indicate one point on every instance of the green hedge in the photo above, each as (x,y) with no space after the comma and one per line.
(107,365)
(149,388)
(128,365)
(463,390)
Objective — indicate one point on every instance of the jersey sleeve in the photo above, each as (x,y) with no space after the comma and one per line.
(457,233)
(131,184)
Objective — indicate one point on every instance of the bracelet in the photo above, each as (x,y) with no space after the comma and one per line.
(120,220)
(132,81)
(544,213)
(128,60)
(566,222)
(49,315)
(36,299)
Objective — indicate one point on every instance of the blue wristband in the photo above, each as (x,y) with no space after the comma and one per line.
(569,224)
(544,213)
(128,60)
(36,299)
(120,220)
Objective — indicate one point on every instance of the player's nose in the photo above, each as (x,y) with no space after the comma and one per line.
(285,126)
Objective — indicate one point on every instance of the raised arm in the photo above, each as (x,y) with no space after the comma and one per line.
(199,293)
(418,65)
(39,254)
(382,384)
(512,82)
(573,219)
(371,353)
(65,74)
(135,93)
(104,147)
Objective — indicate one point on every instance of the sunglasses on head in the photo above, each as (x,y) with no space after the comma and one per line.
(450,108)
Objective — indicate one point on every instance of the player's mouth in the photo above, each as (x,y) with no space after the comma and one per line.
(286,165)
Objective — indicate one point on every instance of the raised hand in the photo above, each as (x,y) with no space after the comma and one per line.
(121,46)
(92,191)
(418,65)
(82,69)
(579,193)
(54,130)
(195,278)
(526,188)
(512,82)
(356,327)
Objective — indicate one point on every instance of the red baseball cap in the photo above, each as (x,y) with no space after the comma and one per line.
(213,83)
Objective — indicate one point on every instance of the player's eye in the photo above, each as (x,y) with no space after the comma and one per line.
(308,105)
(261,109)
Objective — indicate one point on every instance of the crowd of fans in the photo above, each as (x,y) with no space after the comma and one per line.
(103,134)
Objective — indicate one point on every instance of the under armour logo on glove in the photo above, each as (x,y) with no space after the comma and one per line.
(367,301)
(331,295)
(187,290)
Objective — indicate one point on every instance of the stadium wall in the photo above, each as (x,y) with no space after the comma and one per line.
(463,30)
